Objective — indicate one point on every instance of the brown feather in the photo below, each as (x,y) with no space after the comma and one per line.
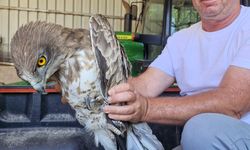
(111,58)
(35,36)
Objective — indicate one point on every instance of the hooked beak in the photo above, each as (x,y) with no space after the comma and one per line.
(37,83)
(39,87)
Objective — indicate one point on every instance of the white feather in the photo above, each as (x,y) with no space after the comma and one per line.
(94,122)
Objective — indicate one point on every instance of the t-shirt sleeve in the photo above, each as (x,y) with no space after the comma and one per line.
(242,58)
(164,61)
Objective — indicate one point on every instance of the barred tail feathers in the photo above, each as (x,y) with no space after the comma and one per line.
(140,137)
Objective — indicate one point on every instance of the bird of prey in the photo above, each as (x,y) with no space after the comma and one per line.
(85,63)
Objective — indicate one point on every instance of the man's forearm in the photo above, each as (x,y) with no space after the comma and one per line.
(231,97)
(177,110)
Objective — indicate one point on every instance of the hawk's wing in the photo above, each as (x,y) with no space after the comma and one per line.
(114,69)
(111,58)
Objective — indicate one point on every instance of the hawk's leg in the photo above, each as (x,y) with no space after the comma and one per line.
(96,105)
(119,134)
(121,125)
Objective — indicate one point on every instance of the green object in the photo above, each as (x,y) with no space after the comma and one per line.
(21,83)
(134,50)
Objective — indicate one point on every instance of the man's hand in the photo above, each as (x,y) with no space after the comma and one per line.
(126,104)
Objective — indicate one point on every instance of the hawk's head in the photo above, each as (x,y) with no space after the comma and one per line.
(36,54)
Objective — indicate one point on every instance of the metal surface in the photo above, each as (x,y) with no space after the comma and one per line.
(68,13)
(56,12)
(166,22)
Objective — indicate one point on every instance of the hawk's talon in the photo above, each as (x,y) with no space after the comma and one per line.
(106,100)
(92,104)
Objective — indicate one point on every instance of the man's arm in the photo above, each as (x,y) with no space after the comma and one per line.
(232,98)
(152,82)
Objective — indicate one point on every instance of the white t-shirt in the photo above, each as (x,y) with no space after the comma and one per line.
(198,59)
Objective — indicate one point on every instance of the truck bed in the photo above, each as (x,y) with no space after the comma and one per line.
(31,121)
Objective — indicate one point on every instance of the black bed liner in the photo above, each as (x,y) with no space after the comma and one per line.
(31,121)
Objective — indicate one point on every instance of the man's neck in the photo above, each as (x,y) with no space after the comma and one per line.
(211,25)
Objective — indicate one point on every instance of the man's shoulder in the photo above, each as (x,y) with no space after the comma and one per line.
(245,18)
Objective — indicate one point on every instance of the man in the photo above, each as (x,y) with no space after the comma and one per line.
(211,63)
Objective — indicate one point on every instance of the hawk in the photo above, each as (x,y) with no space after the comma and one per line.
(85,63)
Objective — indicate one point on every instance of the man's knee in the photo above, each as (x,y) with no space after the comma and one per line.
(215,131)
(199,132)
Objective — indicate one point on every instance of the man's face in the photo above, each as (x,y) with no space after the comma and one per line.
(215,9)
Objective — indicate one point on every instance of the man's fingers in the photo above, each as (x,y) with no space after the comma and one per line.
(120,88)
(119,110)
(122,97)
(123,93)
(121,117)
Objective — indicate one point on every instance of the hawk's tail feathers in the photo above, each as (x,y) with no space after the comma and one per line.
(140,137)
(103,137)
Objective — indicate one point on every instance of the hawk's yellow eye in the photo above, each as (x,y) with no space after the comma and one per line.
(41,61)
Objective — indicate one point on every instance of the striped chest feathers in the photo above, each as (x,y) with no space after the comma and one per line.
(79,78)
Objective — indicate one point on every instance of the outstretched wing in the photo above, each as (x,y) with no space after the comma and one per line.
(111,58)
